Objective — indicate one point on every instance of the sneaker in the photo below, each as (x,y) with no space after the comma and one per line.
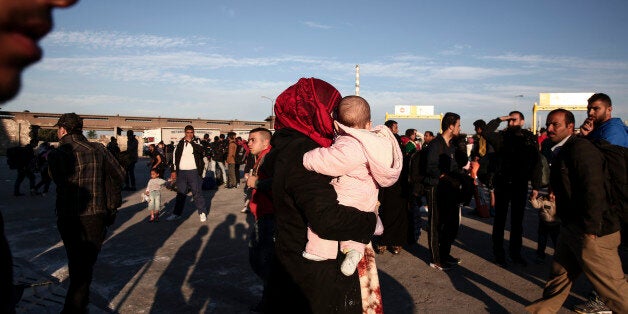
(452,261)
(203,217)
(173,217)
(396,249)
(440,267)
(501,261)
(381,249)
(350,263)
(593,306)
(245,210)
(519,260)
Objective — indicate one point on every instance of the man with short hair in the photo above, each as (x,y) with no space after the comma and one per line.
(589,235)
(428,136)
(517,159)
(601,125)
(206,143)
(231,162)
(219,157)
(442,193)
(188,168)
(21,28)
(261,240)
(79,169)
(132,151)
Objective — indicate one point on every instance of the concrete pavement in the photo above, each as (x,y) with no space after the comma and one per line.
(187,266)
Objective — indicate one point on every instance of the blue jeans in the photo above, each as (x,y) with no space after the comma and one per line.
(189,179)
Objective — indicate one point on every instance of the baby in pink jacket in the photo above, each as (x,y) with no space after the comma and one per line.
(360,160)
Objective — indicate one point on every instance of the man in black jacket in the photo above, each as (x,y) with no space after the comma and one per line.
(443,193)
(187,171)
(516,163)
(589,235)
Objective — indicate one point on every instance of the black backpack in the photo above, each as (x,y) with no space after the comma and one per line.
(241,154)
(616,163)
(416,172)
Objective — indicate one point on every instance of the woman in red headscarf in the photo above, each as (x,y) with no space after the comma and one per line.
(304,198)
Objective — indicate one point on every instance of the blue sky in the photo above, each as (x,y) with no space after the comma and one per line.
(216,59)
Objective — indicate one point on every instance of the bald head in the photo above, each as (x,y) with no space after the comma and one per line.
(355,112)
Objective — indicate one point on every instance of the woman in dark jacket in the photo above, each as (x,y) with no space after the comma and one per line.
(303,198)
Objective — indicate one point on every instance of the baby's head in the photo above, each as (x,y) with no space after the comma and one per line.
(154,174)
(355,112)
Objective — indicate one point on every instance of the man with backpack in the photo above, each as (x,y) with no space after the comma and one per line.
(589,235)
(219,155)
(81,171)
(600,126)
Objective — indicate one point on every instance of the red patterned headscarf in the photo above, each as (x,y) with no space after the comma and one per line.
(306,107)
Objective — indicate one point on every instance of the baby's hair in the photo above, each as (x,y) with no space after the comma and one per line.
(154,170)
(354,111)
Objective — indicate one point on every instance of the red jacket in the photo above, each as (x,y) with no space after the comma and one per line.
(261,202)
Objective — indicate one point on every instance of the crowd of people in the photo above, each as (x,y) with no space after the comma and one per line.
(326,184)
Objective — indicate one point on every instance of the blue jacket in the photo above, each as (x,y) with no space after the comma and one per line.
(614,131)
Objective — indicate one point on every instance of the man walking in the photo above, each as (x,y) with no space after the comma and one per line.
(188,168)
(516,160)
(443,191)
(231,162)
(589,235)
(132,153)
(79,169)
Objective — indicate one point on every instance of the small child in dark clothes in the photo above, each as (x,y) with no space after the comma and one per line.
(549,224)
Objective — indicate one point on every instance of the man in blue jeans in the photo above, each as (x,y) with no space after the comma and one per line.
(187,171)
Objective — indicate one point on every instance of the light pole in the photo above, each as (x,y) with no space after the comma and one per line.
(272,105)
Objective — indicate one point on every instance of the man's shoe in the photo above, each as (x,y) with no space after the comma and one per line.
(501,261)
(452,261)
(519,260)
(440,267)
(173,217)
(381,249)
(245,209)
(203,217)
(593,306)
(396,249)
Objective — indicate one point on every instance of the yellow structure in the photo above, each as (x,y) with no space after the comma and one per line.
(414,112)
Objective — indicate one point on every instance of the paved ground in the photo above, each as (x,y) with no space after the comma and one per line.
(191,267)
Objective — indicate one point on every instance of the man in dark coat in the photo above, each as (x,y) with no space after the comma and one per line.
(589,235)
(304,198)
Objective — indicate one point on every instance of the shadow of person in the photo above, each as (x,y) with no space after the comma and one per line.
(395,297)
(169,295)
(222,280)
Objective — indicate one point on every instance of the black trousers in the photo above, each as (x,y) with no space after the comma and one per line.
(443,220)
(82,238)
(513,193)
(130,175)
(21,174)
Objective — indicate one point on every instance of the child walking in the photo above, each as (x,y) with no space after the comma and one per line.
(153,194)
(360,160)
